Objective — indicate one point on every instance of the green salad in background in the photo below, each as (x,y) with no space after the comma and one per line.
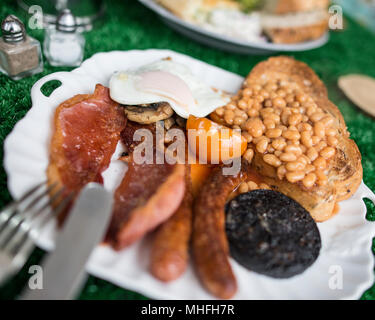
(248,5)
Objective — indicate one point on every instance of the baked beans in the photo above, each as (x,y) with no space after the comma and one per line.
(248,155)
(288,156)
(295,176)
(295,166)
(285,125)
(320,163)
(243,188)
(272,160)
(274,133)
(309,180)
(327,152)
(250,186)
(279,145)
(264,186)
(281,171)
(262,145)
(291,135)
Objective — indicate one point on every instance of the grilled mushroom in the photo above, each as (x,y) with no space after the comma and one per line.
(149,113)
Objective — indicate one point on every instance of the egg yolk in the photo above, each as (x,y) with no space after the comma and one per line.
(213,143)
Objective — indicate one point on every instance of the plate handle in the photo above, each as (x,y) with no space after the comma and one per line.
(367,193)
(37,94)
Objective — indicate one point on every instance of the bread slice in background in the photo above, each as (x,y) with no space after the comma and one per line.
(293,6)
(295,27)
(283,21)
(345,169)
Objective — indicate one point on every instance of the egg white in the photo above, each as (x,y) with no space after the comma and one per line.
(123,89)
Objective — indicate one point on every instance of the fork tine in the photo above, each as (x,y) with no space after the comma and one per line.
(64,203)
(27,223)
(16,219)
(29,193)
(23,253)
(27,244)
(8,212)
(38,198)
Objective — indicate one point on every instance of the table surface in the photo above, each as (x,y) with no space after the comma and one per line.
(129,25)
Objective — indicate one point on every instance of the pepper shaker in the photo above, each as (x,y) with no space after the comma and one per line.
(20,54)
(64,45)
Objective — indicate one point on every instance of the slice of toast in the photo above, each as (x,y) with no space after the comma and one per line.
(289,6)
(295,27)
(345,169)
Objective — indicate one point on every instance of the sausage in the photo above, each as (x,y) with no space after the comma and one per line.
(170,248)
(209,242)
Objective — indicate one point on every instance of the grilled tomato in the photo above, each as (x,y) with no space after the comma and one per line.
(213,143)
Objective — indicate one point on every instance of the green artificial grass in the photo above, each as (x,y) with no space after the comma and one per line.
(129,25)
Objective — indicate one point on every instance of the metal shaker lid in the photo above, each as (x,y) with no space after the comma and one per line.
(13,29)
(66,22)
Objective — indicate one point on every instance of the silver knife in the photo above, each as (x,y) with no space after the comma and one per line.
(64,269)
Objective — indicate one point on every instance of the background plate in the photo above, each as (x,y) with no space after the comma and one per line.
(346,238)
(224,42)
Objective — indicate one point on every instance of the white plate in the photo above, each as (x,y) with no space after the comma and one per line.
(227,43)
(346,238)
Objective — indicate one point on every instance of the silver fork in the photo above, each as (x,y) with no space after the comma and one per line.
(22,220)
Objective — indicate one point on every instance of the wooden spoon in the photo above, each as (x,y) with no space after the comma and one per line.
(360,90)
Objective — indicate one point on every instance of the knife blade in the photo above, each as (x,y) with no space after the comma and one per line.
(64,269)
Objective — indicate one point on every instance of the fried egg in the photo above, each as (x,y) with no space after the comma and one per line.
(166,81)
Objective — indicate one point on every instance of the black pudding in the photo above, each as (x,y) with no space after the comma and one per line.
(271,234)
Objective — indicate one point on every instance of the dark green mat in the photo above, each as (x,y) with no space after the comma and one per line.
(131,26)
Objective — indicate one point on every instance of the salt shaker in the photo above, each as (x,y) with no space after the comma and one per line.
(20,55)
(64,45)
